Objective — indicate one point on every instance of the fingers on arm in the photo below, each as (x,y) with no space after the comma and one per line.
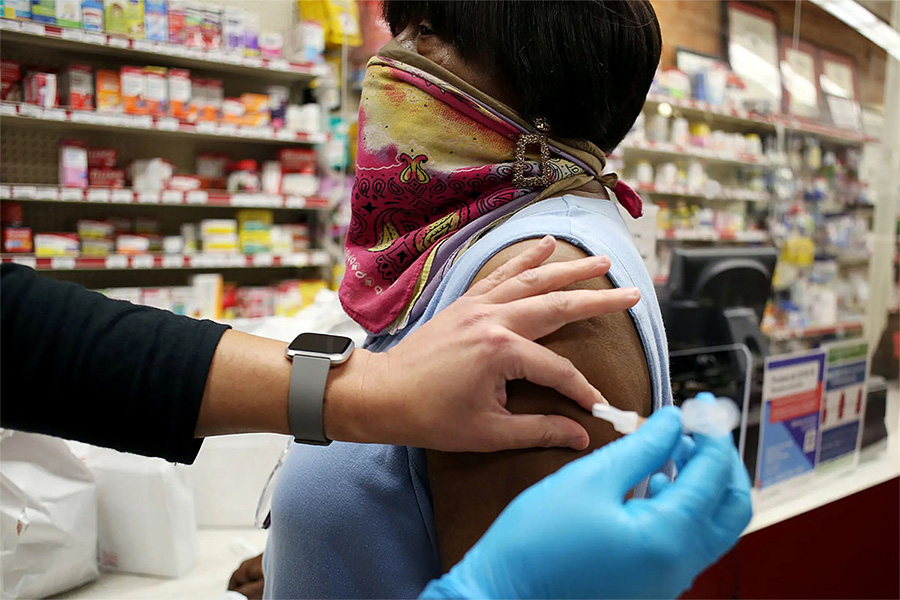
(538,316)
(549,277)
(530,258)
(514,432)
(541,366)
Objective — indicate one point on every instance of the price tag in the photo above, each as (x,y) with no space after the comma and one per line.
(197,197)
(63,263)
(72,34)
(5,192)
(7,108)
(195,53)
(173,261)
(148,197)
(295,260)
(46,193)
(229,129)
(116,261)
(54,114)
(176,50)
(286,135)
(81,116)
(92,37)
(142,261)
(30,110)
(122,196)
(295,202)
(206,127)
(68,194)
(142,121)
(215,55)
(233,59)
(98,195)
(33,28)
(253,61)
(117,42)
(279,64)
(263,260)
(265,132)
(142,45)
(167,124)
(172,197)
(25,261)
(199,261)
(23,192)
(270,200)
(237,260)
(10,25)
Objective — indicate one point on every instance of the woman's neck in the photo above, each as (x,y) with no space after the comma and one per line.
(592,189)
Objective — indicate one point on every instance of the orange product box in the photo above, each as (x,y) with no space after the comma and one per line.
(109,91)
(17,239)
(232,110)
(181,105)
(255,120)
(133,91)
(255,103)
(156,91)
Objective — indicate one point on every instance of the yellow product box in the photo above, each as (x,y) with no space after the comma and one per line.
(309,288)
(210,227)
(254,241)
(340,18)
(48,245)
(221,244)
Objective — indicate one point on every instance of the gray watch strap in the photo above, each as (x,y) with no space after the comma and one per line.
(308,377)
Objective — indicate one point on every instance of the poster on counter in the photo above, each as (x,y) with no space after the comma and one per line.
(789,421)
(844,400)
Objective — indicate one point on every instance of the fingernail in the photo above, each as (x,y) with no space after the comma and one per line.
(546,240)
(602,261)
(601,399)
(632,293)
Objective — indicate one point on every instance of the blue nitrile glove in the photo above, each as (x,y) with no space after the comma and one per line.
(573,535)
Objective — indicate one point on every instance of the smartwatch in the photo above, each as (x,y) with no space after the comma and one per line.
(312,355)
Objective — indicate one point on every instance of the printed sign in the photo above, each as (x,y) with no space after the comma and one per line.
(789,422)
(844,400)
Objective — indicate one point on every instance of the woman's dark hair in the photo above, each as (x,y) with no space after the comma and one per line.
(584,65)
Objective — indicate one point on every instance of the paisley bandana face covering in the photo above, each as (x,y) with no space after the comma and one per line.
(434,170)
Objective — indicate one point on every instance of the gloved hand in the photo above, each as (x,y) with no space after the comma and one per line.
(572,535)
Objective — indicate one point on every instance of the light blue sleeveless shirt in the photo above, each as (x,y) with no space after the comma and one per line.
(355,520)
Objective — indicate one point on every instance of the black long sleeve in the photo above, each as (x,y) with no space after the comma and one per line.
(78,365)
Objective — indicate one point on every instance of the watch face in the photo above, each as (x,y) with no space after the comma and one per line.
(318,343)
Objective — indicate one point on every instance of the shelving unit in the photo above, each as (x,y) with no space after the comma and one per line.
(58,119)
(121,262)
(173,198)
(31,136)
(170,55)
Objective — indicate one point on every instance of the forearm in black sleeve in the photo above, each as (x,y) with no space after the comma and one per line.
(78,365)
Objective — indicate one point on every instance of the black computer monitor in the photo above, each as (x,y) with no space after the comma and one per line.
(717,296)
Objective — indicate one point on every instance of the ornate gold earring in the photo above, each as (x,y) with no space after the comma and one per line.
(543,179)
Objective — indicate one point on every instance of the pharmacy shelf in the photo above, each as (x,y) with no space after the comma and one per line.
(711,235)
(728,194)
(770,123)
(782,334)
(30,115)
(675,151)
(121,262)
(210,198)
(31,34)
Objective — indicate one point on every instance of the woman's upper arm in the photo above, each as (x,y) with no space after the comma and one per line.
(469,490)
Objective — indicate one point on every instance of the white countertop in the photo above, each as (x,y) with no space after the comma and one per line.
(222,550)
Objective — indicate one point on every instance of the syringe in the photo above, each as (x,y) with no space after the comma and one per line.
(705,414)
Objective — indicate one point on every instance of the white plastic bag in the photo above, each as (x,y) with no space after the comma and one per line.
(48,517)
(146,514)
